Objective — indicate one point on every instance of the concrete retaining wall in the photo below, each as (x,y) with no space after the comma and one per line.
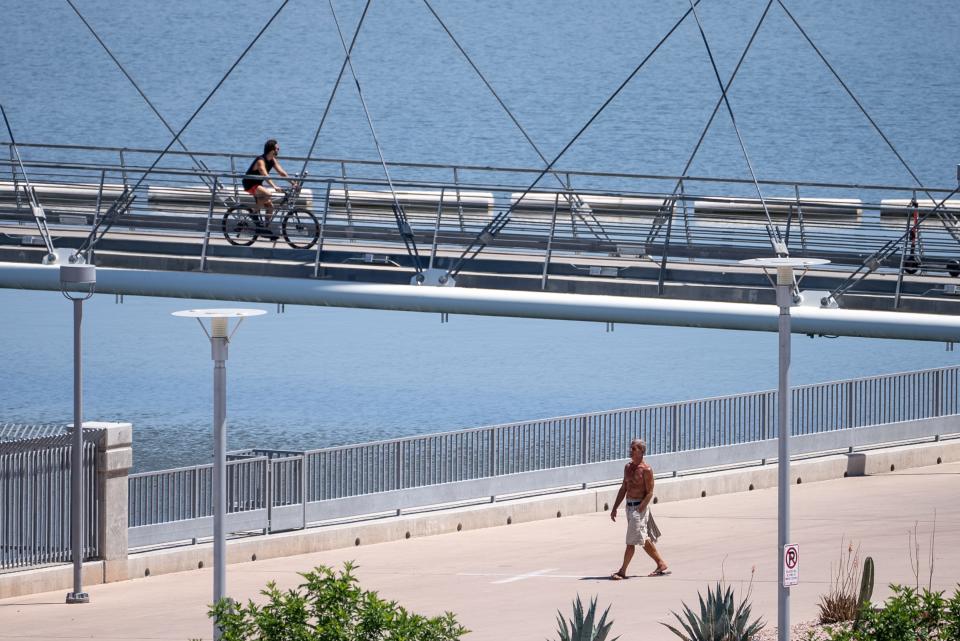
(501,513)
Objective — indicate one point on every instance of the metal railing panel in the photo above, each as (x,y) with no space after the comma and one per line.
(35,496)
(683,432)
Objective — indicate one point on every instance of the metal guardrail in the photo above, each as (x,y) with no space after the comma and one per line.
(714,218)
(35,495)
(266,492)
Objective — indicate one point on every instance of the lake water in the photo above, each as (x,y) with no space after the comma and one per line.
(313,377)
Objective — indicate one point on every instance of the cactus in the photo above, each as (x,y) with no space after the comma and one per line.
(582,626)
(866,590)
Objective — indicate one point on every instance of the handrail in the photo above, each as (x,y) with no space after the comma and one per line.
(494,168)
(682,428)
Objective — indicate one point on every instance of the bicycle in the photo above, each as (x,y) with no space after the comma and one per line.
(242,225)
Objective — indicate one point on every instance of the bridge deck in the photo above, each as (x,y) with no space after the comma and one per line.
(596,233)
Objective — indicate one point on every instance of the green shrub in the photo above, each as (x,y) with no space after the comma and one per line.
(581,626)
(328,606)
(719,619)
(908,615)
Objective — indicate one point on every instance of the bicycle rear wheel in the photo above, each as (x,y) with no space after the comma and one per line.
(240,226)
(300,229)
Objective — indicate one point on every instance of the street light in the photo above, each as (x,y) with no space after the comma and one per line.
(77,276)
(785,300)
(219,336)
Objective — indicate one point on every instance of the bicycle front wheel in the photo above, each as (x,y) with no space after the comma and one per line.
(301,229)
(240,226)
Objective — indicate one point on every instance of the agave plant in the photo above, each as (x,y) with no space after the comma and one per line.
(719,619)
(581,627)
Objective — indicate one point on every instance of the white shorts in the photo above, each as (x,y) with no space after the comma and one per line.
(640,526)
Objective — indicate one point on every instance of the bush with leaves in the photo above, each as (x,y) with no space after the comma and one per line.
(908,615)
(328,606)
(581,625)
(720,618)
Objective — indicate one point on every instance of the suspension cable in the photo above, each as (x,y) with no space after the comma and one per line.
(774,231)
(513,118)
(403,225)
(872,262)
(197,162)
(126,198)
(951,229)
(35,207)
(336,86)
(668,203)
(491,229)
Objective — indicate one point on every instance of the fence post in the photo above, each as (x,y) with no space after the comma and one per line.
(398,482)
(493,451)
(850,405)
(584,442)
(938,393)
(197,496)
(304,480)
(114,460)
(675,428)
(268,492)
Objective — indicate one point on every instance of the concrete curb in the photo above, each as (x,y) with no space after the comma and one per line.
(501,513)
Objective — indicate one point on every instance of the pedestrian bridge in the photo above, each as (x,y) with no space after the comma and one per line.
(630,236)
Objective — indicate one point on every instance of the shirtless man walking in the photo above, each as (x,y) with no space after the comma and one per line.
(637,488)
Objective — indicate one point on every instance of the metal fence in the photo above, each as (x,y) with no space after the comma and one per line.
(35,495)
(269,487)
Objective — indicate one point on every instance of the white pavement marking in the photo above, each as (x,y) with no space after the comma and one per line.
(531,575)
(514,578)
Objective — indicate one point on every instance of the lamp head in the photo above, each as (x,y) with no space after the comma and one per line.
(219,318)
(77,276)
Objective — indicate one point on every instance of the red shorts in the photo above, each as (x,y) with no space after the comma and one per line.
(253,190)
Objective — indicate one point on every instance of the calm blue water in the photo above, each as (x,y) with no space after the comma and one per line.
(314,377)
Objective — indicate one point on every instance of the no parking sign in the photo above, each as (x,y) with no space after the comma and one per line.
(791,564)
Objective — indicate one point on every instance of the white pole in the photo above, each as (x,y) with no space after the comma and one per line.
(71,277)
(218,344)
(784,301)
(76,461)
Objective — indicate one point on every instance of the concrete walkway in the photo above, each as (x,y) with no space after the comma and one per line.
(508,582)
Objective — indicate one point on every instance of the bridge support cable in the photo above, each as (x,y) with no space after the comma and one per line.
(403,224)
(875,260)
(581,210)
(39,216)
(198,163)
(496,225)
(667,208)
(773,231)
(123,203)
(950,222)
(336,87)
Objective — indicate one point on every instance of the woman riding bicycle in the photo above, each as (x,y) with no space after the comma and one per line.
(261,166)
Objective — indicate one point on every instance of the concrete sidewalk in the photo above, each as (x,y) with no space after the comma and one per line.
(508,582)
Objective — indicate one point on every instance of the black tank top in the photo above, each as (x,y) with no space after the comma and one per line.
(252,169)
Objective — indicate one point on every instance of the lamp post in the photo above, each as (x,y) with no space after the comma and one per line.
(785,300)
(75,276)
(219,336)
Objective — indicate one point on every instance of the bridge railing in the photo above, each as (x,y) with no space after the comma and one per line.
(267,492)
(612,215)
(35,495)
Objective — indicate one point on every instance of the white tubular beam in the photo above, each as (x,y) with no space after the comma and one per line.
(489,302)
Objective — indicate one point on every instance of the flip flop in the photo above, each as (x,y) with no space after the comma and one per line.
(618,576)
(660,572)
